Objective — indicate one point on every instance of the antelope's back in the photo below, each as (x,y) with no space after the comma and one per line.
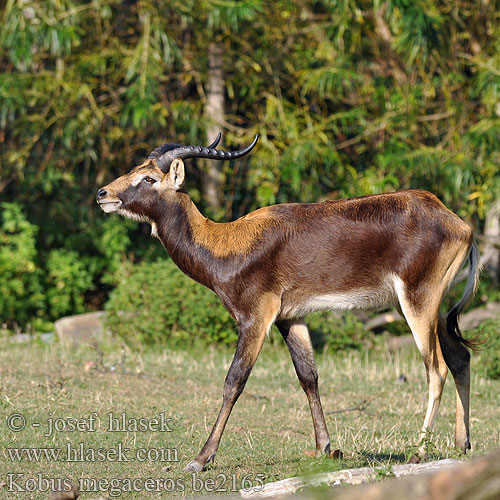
(361,245)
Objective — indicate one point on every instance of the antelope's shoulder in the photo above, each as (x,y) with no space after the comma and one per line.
(237,237)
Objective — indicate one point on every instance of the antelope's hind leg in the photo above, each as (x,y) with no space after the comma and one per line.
(297,338)
(457,358)
(423,323)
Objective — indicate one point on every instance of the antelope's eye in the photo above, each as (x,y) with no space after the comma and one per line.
(149,180)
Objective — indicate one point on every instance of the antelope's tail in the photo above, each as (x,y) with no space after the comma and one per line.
(469,291)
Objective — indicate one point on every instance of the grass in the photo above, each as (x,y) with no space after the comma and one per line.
(266,436)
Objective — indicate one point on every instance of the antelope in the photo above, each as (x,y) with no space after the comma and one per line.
(281,262)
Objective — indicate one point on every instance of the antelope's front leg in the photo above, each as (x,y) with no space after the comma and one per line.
(252,334)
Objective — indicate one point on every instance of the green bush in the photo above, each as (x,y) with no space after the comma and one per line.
(490,351)
(69,276)
(38,286)
(31,293)
(21,292)
(155,302)
(336,332)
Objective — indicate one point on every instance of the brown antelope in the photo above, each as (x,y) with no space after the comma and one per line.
(279,263)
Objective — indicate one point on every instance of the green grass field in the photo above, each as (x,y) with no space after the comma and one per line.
(266,436)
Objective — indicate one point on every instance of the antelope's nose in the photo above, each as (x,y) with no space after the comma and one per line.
(101,194)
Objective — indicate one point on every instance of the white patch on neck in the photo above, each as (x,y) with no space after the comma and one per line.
(131,215)
(140,218)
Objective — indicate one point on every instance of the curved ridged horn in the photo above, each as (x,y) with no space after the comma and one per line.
(155,154)
(216,142)
(183,152)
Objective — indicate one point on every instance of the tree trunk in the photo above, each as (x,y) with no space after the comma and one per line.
(343,477)
(492,238)
(214,111)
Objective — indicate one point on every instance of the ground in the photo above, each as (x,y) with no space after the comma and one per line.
(265,439)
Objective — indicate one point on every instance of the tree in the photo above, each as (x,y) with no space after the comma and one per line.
(350,98)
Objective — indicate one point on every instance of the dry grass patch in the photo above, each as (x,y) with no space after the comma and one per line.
(267,434)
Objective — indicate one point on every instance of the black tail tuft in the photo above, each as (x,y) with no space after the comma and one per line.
(470,289)
(455,332)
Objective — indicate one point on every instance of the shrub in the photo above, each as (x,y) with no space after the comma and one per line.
(37,285)
(68,277)
(21,294)
(490,350)
(336,332)
(156,302)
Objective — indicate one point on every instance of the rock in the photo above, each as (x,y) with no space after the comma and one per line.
(395,343)
(470,319)
(66,494)
(475,317)
(442,479)
(382,320)
(81,329)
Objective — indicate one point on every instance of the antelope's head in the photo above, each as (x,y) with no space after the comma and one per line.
(135,194)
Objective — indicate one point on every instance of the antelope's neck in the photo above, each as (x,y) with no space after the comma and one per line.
(203,248)
(172,221)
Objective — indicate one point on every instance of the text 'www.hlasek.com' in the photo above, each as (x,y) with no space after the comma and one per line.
(124,429)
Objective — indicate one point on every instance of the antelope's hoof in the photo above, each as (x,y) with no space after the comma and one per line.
(194,466)
(462,445)
(414,459)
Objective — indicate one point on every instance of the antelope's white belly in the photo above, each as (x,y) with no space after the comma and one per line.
(361,298)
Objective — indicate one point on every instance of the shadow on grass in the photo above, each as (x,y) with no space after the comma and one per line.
(400,458)
(393,458)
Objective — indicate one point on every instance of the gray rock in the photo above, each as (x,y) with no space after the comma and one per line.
(81,329)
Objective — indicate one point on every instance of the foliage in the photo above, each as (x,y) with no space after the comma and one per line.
(336,333)
(69,276)
(350,98)
(20,286)
(490,350)
(155,302)
(37,287)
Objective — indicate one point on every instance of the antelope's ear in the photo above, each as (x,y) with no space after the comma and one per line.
(177,173)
